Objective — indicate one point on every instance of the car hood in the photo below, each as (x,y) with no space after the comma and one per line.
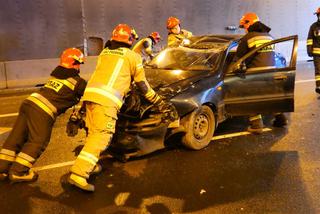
(171,82)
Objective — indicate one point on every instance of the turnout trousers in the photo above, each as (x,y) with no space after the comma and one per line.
(28,139)
(316,61)
(101,121)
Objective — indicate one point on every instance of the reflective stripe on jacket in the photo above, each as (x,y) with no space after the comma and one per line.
(264,57)
(313,41)
(44,104)
(63,89)
(115,71)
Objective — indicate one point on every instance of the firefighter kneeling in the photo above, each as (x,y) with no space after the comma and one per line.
(117,68)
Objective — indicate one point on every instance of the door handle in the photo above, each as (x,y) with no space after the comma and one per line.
(280,77)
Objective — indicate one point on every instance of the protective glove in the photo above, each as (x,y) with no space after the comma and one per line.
(75,122)
(72,126)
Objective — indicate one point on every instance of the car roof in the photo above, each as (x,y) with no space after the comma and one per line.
(213,41)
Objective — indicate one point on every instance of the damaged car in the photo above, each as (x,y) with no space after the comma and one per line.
(205,85)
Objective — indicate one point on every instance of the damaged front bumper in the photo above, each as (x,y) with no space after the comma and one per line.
(134,138)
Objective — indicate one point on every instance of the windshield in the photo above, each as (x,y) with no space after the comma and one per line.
(187,59)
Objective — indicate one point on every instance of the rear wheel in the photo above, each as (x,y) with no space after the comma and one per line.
(200,126)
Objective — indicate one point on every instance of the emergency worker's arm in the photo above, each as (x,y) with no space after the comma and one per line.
(148,48)
(310,42)
(142,83)
(242,48)
(173,41)
(81,86)
(186,33)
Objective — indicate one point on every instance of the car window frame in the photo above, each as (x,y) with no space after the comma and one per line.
(234,67)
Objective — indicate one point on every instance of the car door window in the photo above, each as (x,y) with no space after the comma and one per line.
(284,52)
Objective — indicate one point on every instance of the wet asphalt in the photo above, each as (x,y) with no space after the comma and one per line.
(275,172)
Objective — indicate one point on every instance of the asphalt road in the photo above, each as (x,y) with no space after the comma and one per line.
(276,172)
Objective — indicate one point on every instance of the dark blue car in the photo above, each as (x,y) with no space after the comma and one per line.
(206,85)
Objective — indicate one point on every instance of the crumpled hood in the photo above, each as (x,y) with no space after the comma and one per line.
(171,82)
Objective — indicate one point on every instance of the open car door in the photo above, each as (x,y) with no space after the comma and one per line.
(262,89)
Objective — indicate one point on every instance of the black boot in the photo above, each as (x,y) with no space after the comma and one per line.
(256,124)
(280,120)
(3,176)
(30,176)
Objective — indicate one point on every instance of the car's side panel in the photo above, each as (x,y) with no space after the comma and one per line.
(260,90)
(205,91)
(267,92)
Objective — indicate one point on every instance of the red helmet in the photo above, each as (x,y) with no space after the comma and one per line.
(156,36)
(247,20)
(71,58)
(172,22)
(318,11)
(124,33)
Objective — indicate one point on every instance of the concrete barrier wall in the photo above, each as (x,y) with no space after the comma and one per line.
(30,73)
(3,79)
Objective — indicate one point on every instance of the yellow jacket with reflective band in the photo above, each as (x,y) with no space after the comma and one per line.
(115,71)
(313,40)
(174,40)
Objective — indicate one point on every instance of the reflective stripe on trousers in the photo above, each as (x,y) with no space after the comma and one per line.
(25,160)
(101,121)
(7,155)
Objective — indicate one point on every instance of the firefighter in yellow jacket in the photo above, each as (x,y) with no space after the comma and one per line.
(176,35)
(31,132)
(116,69)
(145,46)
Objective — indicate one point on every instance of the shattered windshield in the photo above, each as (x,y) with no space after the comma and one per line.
(187,59)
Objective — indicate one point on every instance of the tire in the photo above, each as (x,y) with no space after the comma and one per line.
(200,126)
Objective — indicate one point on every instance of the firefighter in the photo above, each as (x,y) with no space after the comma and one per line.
(32,130)
(313,48)
(117,68)
(257,34)
(145,46)
(176,35)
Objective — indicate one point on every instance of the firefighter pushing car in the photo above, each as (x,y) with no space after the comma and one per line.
(116,69)
(32,130)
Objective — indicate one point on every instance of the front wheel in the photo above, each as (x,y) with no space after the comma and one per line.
(200,126)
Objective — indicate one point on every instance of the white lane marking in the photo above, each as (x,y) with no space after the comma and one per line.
(304,81)
(236,134)
(121,198)
(69,163)
(52,166)
(9,115)
(4,130)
